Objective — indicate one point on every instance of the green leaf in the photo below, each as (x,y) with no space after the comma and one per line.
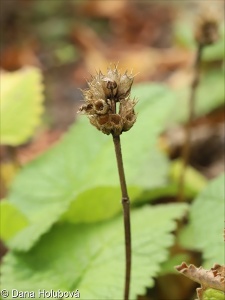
(167,267)
(21,104)
(104,200)
(212,294)
(25,236)
(11,221)
(205,229)
(66,54)
(194,181)
(206,101)
(81,170)
(214,52)
(183,34)
(90,257)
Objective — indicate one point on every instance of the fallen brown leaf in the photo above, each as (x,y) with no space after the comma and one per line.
(213,278)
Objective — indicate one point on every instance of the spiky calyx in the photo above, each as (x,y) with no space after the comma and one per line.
(104,94)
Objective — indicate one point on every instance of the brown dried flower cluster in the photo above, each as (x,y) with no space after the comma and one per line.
(107,94)
(207,31)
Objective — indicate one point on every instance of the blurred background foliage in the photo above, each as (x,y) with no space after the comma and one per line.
(68,41)
(54,46)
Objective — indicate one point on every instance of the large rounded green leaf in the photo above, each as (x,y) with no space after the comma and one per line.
(205,229)
(90,257)
(79,178)
(21,104)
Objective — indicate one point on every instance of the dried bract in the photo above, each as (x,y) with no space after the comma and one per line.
(107,94)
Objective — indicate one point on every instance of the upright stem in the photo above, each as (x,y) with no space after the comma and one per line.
(126,214)
(191,116)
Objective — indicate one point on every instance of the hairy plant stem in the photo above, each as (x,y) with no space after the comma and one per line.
(126,214)
(191,115)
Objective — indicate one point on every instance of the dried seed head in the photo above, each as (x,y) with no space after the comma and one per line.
(101,98)
(87,109)
(127,113)
(109,87)
(101,107)
(207,28)
(124,88)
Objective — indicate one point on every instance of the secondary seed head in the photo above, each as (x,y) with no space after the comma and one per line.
(207,28)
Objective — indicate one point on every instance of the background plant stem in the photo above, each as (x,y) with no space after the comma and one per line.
(192,99)
(126,214)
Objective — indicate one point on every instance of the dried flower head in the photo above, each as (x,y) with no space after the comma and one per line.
(207,31)
(106,95)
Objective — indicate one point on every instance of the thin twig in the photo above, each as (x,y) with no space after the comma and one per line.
(126,214)
(191,116)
